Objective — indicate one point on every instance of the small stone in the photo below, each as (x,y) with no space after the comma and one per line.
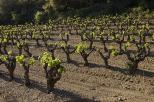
(121,98)
(39,100)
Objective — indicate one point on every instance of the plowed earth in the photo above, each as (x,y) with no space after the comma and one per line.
(82,84)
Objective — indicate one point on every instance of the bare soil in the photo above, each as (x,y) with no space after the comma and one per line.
(82,84)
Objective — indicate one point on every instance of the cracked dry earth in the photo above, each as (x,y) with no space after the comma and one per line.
(82,84)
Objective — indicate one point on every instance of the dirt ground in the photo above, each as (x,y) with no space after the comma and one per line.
(82,84)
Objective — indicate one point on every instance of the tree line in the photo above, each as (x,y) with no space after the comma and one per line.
(25,11)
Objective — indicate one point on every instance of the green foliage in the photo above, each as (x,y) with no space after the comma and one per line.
(81,47)
(145,45)
(53,63)
(31,61)
(39,17)
(113,51)
(126,45)
(20,59)
(62,44)
(15,17)
(19,11)
(21,43)
(10,52)
(61,69)
(126,34)
(4,58)
(45,58)
(22,11)
(4,40)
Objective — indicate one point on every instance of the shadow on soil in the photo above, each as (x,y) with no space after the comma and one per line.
(91,65)
(138,72)
(74,98)
(74,63)
(42,87)
(151,54)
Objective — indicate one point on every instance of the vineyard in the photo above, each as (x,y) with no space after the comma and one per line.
(106,59)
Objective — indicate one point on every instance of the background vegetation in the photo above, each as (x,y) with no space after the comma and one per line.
(40,11)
